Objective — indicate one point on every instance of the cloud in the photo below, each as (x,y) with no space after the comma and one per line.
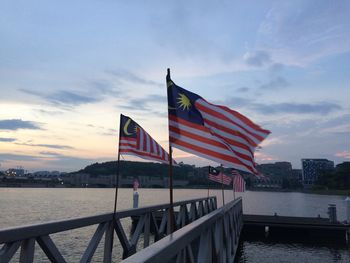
(53,146)
(64,97)
(16,124)
(297,108)
(322,107)
(144,103)
(263,157)
(236,102)
(18,157)
(276,83)
(51,160)
(343,154)
(49,112)
(242,89)
(7,139)
(128,76)
(258,58)
(71,98)
(50,154)
(291,31)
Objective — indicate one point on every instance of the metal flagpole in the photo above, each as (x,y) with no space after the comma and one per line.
(222,185)
(233,186)
(117,174)
(116,189)
(171,209)
(208,180)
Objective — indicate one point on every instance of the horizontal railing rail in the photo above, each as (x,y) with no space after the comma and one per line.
(212,238)
(145,219)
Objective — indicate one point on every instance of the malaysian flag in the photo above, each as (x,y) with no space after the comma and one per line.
(219,177)
(238,182)
(136,141)
(212,131)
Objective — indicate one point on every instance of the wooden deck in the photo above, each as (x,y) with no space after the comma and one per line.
(292,227)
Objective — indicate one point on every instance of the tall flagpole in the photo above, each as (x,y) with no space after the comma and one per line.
(171,209)
(117,174)
(233,186)
(208,180)
(222,185)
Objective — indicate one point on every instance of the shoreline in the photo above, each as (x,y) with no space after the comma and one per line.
(305,191)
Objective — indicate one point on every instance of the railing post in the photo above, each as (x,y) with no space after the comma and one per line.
(27,251)
(108,247)
(146,230)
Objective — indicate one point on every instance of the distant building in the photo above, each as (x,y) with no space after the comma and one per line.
(276,171)
(313,168)
(297,174)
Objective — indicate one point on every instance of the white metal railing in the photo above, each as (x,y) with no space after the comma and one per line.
(26,237)
(211,238)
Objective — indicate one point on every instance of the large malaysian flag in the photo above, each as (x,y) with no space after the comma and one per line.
(212,131)
(136,141)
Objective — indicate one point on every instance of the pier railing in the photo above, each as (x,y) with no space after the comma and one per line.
(26,237)
(212,238)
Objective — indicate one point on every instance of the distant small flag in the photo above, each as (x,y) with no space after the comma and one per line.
(238,181)
(136,184)
(136,141)
(219,177)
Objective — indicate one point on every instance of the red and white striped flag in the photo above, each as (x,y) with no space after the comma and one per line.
(136,141)
(219,177)
(212,131)
(238,182)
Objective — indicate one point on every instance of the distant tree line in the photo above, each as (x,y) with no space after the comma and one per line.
(197,176)
(336,179)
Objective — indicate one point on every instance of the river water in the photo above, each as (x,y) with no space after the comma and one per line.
(22,206)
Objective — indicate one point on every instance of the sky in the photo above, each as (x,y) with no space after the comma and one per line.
(68,69)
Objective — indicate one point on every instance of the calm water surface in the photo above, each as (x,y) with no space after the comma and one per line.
(20,206)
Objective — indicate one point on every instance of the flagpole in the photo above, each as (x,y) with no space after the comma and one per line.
(233,186)
(116,188)
(117,173)
(208,180)
(222,185)
(171,208)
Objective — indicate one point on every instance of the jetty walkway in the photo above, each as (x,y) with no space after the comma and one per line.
(204,233)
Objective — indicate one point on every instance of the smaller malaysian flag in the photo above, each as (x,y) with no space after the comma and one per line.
(238,182)
(136,141)
(219,177)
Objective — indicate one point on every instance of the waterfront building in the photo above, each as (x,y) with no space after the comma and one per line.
(313,168)
(276,171)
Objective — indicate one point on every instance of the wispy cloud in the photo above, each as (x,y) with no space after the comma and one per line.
(18,157)
(7,139)
(258,58)
(124,75)
(242,89)
(297,108)
(64,97)
(275,83)
(49,112)
(291,31)
(145,103)
(53,146)
(343,154)
(16,124)
(319,108)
